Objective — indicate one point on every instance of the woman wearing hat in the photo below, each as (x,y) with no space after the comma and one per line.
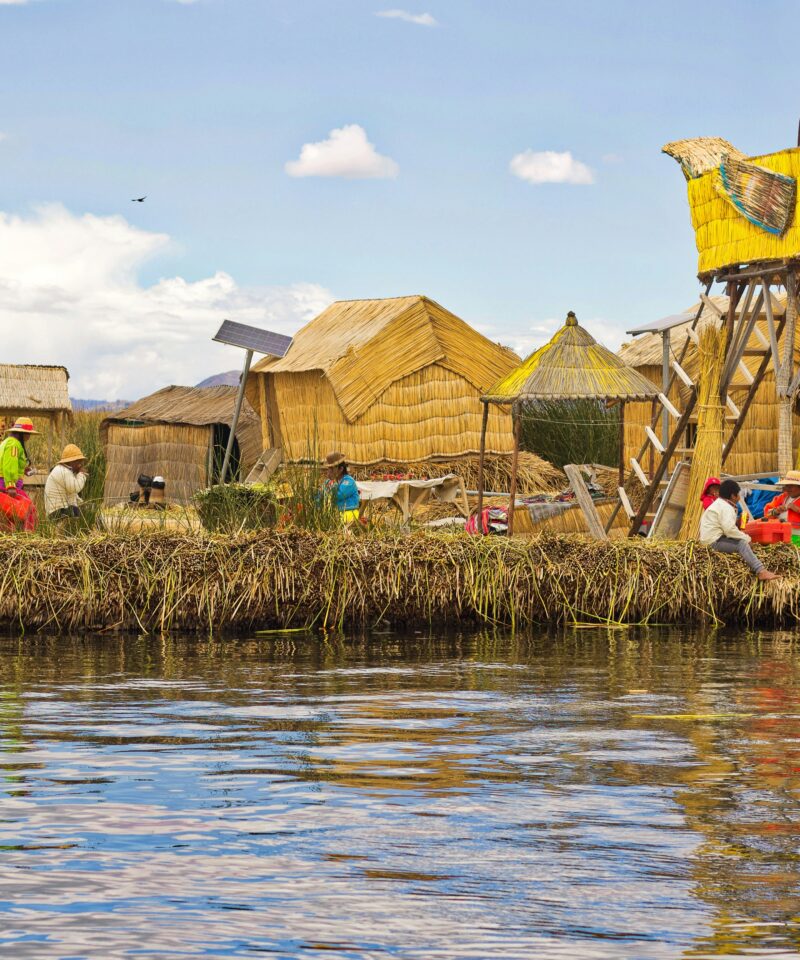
(14,467)
(341,486)
(67,479)
(786,506)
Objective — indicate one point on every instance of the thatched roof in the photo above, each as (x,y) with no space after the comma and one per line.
(364,346)
(198,406)
(571,366)
(28,388)
(646,350)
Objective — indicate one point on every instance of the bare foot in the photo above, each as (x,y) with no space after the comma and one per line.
(767,575)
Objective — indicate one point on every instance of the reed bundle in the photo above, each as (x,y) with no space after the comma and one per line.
(707,456)
(534,475)
(165,582)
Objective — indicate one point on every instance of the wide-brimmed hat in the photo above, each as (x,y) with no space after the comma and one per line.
(71,453)
(792,478)
(334,459)
(22,425)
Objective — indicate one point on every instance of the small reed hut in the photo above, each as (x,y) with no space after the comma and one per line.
(179,433)
(756,447)
(393,381)
(38,392)
(572,365)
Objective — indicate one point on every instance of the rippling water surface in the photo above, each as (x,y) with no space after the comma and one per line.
(594,794)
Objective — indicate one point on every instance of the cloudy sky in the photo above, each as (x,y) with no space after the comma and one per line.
(500,156)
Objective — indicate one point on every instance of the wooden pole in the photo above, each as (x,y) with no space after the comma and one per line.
(512,496)
(236,411)
(622,443)
(784,379)
(666,370)
(481,457)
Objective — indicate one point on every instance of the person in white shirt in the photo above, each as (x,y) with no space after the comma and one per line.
(718,530)
(64,484)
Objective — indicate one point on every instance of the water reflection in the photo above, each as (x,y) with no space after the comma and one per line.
(591,794)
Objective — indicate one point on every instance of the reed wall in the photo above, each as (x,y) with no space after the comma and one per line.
(178,452)
(433,412)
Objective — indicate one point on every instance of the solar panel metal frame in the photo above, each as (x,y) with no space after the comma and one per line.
(253,338)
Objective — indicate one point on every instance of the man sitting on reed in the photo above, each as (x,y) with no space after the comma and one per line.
(66,480)
(718,530)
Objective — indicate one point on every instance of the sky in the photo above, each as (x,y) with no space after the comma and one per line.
(500,156)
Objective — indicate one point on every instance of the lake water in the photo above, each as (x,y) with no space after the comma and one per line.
(585,794)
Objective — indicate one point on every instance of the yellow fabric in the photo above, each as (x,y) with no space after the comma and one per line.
(724,236)
(349,516)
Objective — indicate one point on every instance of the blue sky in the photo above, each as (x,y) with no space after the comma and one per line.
(201,106)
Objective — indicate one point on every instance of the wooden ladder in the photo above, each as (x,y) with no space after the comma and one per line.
(737,338)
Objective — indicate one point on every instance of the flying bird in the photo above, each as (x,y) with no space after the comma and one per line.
(139,199)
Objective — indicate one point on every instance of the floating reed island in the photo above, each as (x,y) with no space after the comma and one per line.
(166,582)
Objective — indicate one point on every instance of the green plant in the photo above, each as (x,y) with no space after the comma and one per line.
(571,431)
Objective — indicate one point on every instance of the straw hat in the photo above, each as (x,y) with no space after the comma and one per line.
(334,459)
(792,478)
(22,425)
(71,454)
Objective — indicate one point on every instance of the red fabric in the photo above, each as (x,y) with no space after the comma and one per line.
(17,511)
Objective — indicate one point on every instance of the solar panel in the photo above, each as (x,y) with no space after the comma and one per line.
(253,338)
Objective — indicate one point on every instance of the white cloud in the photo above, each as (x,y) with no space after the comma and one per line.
(607,332)
(69,294)
(346,153)
(421,19)
(548,166)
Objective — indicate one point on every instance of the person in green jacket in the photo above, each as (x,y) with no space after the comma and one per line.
(15,466)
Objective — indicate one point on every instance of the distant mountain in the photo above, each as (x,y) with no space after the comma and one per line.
(228,379)
(111,405)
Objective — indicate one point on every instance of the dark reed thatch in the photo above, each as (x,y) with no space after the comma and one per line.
(173,433)
(167,582)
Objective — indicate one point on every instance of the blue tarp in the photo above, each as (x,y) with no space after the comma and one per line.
(756,500)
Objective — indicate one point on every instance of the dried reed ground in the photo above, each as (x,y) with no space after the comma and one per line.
(163,582)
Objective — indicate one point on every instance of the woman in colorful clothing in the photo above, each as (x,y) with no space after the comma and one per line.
(341,486)
(14,467)
(786,506)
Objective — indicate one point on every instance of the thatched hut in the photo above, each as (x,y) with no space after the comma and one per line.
(41,393)
(756,447)
(179,433)
(395,381)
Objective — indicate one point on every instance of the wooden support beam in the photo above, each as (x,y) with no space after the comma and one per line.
(639,472)
(650,491)
(585,502)
(682,374)
(751,393)
(481,458)
(732,407)
(626,504)
(745,371)
(708,302)
(667,404)
(654,439)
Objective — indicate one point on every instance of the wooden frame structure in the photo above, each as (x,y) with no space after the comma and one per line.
(571,366)
(749,290)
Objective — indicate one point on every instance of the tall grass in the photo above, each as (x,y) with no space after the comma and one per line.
(571,431)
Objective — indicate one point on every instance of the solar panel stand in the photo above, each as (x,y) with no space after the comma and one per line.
(236,412)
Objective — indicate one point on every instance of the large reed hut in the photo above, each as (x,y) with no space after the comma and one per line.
(756,447)
(179,433)
(395,381)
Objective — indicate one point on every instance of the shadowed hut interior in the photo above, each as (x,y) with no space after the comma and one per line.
(179,433)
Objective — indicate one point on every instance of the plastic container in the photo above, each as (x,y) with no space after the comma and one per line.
(770,531)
